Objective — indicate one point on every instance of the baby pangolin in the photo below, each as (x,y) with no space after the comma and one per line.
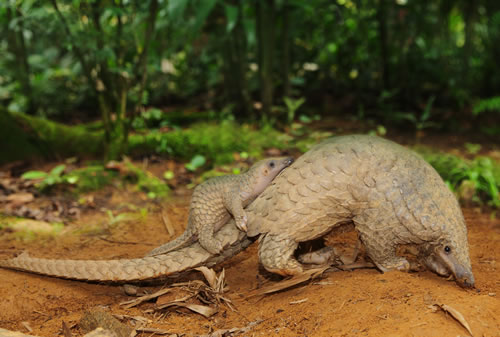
(217,199)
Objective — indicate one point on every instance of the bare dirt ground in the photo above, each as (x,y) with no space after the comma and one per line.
(357,303)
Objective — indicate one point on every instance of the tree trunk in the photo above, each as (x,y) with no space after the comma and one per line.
(285,71)
(469,10)
(17,46)
(382,34)
(265,36)
(235,67)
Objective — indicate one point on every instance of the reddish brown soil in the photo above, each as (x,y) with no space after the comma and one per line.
(358,303)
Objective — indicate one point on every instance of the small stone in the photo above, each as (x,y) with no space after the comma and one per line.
(92,320)
(492,294)
(130,289)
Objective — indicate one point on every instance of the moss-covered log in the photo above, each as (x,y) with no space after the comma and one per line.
(58,140)
(15,143)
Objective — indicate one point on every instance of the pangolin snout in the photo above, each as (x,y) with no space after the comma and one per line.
(465,279)
(460,269)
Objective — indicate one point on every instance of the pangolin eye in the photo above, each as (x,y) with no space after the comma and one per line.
(447,249)
(271,164)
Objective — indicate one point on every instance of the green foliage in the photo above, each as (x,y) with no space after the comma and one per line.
(49,179)
(490,104)
(111,58)
(217,142)
(196,162)
(482,173)
(380,130)
(292,105)
(152,118)
(29,230)
(91,178)
(147,182)
(167,175)
(83,179)
(304,144)
(472,148)
(422,122)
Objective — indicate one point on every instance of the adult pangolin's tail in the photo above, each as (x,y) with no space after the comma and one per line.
(127,270)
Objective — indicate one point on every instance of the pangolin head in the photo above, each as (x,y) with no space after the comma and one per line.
(450,253)
(264,171)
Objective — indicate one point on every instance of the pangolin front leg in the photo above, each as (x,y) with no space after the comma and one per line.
(383,254)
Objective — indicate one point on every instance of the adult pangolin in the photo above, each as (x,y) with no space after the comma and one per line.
(392,196)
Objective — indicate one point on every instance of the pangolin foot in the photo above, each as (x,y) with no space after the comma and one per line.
(396,263)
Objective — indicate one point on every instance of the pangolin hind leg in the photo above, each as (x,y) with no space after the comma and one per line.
(206,238)
(276,255)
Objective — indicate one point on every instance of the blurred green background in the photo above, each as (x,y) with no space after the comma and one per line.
(120,67)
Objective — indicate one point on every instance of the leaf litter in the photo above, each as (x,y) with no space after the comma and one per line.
(210,295)
(453,313)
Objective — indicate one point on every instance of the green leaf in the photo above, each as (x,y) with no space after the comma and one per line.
(232,17)
(34,175)
(168,175)
(50,180)
(305,119)
(203,9)
(196,162)
(490,104)
(58,170)
(176,8)
(428,109)
(71,179)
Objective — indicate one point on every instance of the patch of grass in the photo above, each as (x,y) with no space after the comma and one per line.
(480,177)
(488,104)
(147,182)
(84,179)
(91,178)
(29,230)
(216,142)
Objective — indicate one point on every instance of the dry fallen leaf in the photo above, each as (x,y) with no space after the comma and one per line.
(20,198)
(288,283)
(210,276)
(456,315)
(139,300)
(200,309)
